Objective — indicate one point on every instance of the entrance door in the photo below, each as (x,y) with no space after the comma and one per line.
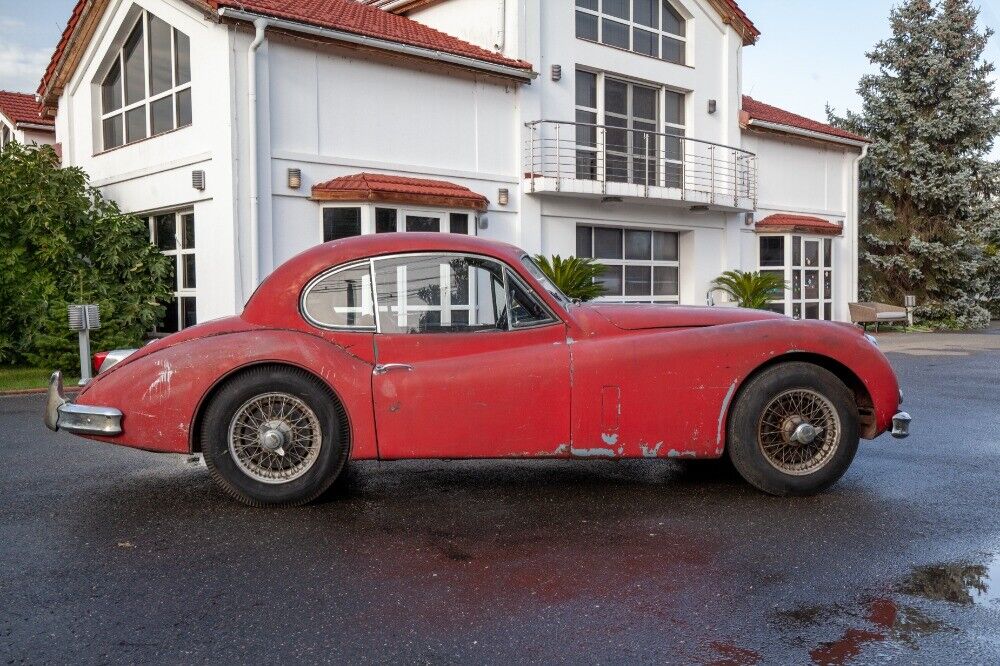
(470,364)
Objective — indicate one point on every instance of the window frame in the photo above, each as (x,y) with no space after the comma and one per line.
(178,291)
(825,298)
(651,263)
(632,25)
(369,216)
(508,274)
(6,135)
(173,92)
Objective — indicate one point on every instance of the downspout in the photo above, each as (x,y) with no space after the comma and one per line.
(856,210)
(502,31)
(260,26)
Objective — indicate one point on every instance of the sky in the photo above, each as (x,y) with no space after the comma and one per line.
(811,53)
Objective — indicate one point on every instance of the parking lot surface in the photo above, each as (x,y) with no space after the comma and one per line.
(113,555)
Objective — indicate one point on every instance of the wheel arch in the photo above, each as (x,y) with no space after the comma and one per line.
(235,373)
(862,397)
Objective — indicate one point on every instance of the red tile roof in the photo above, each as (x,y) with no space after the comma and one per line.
(360,19)
(22,108)
(799,223)
(751,29)
(771,114)
(398,189)
(57,55)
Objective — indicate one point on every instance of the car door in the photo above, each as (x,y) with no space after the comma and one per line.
(470,362)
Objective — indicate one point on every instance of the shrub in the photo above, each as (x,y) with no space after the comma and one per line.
(574,275)
(750,290)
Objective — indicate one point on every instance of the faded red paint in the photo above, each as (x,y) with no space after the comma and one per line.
(606,381)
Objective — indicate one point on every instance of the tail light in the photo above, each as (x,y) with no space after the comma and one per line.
(99,358)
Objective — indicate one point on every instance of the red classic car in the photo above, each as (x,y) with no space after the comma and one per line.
(412,345)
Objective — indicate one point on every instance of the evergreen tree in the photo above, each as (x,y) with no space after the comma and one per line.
(929,225)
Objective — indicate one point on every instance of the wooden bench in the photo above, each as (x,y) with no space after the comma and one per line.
(877,313)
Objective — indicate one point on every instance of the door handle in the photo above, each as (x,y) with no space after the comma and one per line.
(381,369)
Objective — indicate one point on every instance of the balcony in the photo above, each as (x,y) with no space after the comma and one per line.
(602,161)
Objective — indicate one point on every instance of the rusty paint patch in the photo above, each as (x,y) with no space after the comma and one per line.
(674,453)
(650,451)
(593,453)
(610,438)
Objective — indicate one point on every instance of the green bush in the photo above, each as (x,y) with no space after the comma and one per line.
(61,242)
(750,290)
(574,275)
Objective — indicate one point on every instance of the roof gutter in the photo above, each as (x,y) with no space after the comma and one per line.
(34,126)
(810,134)
(525,75)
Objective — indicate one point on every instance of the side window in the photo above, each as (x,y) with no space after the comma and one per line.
(440,293)
(341,299)
(525,308)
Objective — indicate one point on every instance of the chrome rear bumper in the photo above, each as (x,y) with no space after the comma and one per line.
(61,414)
(901,425)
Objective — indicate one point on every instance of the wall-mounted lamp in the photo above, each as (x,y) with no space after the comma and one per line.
(484,222)
(503,196)
(556,72)
(712,106)
(294,179)
(748,219)
(198,179)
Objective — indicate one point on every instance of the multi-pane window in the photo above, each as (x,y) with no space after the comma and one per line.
(636,147)
(649,27)
(147,90)
(806,263)
(640,265)
(347,221)
(173,234)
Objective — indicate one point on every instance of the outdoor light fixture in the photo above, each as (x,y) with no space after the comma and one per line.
(483,222)
(748,219)
(699,209)
(712,105)
(503,197)
(84,319)
(556,72)
(294,179)
(198,179)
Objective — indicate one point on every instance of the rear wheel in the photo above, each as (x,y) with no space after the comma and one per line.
(793,430)
(274,436)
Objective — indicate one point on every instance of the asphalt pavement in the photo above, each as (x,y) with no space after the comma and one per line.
(110,555)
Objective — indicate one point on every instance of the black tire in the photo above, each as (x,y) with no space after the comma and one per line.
(772,472)
(315,475)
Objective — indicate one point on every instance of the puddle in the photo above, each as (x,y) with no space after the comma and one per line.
(962,583)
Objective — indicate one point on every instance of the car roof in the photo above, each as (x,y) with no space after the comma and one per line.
(288,279)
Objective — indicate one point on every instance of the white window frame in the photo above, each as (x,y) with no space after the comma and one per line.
(177,255)
(6,135)
(623,262)
(633,25)
(148,100)
(796,307)
(368,216)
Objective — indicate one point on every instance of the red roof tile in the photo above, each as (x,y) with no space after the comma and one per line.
(772,114)
(399,189)
(800,223)
(57,55)
(22,108)
(745,20)
(360,19)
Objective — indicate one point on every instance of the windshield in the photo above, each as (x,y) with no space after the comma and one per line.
(537,273)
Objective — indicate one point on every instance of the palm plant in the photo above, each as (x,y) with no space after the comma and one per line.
(573,275)
(750,289)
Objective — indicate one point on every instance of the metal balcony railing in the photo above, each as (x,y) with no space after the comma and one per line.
(616,161)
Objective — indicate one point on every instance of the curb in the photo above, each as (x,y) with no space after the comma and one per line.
(36,391)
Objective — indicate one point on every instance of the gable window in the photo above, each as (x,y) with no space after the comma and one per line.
(640,265)
(147,90)
(348,221)
(649,27)
(173,234)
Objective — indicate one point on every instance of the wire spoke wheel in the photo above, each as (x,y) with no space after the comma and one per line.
(799,431)
(275,438)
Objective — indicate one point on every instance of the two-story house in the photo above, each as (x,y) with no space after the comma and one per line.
(21,120)
(249,130)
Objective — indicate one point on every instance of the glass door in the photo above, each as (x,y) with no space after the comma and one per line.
(812,278)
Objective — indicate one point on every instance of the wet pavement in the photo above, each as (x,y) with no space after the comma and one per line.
(111,555)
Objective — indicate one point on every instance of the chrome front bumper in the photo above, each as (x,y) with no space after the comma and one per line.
(61,414)
(901,425)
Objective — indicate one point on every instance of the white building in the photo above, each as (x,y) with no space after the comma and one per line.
(21,120)
(250,130)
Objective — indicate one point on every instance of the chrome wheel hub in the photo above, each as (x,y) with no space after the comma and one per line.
(799,431)
(274,438)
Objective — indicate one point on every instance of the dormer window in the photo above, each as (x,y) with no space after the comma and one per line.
(650,27)
(147,90)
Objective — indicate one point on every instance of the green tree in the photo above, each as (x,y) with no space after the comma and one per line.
(750,290)
(927,216)
(573,275)
(61,242)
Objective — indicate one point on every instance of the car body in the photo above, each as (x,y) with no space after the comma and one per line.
(583,380)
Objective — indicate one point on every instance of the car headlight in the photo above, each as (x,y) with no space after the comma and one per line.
(872,339)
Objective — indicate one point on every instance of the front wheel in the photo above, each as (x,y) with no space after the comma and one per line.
(793,430)
(274,436)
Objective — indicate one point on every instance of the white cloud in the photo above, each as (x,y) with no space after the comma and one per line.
(21,68)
